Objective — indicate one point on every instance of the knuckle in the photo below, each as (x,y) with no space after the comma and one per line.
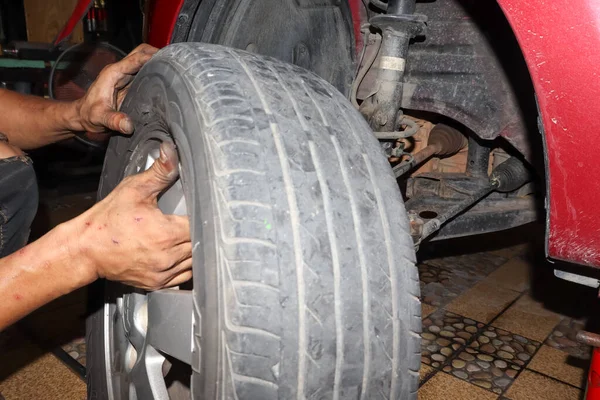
(107,70)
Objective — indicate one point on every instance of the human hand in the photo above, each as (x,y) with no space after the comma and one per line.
(128,239)
(98,109)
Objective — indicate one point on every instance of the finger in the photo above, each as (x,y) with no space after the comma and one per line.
(179,279)
(144,48)
(163,172)
(180,228)
(121,95)
(117,121)
(185,267)
(130,65)
(180,253)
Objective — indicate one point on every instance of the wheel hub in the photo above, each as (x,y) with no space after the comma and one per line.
(146,332)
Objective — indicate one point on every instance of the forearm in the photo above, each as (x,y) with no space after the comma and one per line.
(30,122)
(41,272)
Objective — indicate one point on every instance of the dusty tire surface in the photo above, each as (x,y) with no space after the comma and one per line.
(304,272)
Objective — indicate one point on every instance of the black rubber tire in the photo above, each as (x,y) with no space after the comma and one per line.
(305,274)
(313,34)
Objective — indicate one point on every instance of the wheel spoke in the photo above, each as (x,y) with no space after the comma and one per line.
(147,376)
(173,200)
(170,323)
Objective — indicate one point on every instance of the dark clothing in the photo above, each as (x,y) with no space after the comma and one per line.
(18,202)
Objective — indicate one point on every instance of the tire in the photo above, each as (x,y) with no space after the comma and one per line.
(316,35)
(304,276)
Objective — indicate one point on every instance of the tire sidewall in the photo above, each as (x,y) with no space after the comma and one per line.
(161,104)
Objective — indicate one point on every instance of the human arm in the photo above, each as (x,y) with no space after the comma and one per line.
(125,237)
(30,122)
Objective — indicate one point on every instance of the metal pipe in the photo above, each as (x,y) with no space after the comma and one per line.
(398,26)
(478,159)
(443,141)
(504,177)
(419,157)
(434,224)
(589,338)
(398,7)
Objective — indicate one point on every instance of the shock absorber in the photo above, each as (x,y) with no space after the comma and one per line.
(398,26)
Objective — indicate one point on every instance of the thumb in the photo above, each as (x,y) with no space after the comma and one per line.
(163,172)
(118,121)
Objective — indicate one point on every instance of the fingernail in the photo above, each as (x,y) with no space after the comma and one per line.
(168,157)
(126,126)
(165,151)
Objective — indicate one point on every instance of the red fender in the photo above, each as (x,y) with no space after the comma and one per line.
(162,17)
(560,41)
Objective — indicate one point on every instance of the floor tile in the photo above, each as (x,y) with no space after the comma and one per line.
(514,274)
(425,371)
(476,265)
(43,378)
(444,279)
(76,349)
(440,285)
(528,318)
(489,372)
(443,334)
(533,386)
(482,302)
(505,345)
(560,365)
(563,338)
(426,310)
(512,251)
(446,387)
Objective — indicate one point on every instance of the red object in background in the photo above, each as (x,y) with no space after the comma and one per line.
(81,8)
(355,6)
(162,17)
(593,381)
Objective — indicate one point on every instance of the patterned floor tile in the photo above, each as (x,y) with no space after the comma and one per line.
(489,372)
(439,286)
(514,275)
(444,333)
(44,377)
(505,345)
(528,318)
(483,302)
(563,338)
(475,265)
(559,365)
(533,386)
(425,371)
(446,387)
(76,349)
(426,310)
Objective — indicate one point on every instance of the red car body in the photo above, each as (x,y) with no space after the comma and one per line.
(560,41)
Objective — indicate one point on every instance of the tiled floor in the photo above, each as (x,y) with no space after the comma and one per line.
(496,325)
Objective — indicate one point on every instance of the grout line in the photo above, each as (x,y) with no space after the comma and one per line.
(533,356)
(468,342)
(521,294)
(554,379)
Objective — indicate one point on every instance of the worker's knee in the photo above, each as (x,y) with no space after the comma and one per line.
(18,198)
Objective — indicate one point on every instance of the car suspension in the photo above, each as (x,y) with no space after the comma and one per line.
(506,177)
(398,26)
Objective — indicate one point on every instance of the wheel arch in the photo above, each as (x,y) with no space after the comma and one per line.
(557,40)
